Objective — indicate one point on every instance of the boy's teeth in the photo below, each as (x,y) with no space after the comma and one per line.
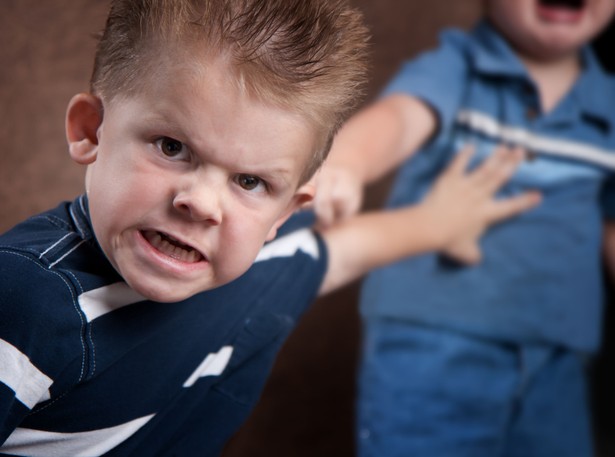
(171,247)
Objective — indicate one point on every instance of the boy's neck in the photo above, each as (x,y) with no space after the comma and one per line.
(553,78)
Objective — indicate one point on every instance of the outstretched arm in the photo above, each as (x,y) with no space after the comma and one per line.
(370,144)
(451,219)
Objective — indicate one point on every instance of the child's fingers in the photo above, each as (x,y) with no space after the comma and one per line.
(509,207)
(484,171)
(461,160)
(324,215)
(347,207)
(336,207)
(496,169)
(503,167)
(323,207)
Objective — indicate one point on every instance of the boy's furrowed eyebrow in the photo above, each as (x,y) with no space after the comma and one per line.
(280,176)
(161,121)
(166,126)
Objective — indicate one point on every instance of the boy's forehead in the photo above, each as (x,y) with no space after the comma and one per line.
(197,67)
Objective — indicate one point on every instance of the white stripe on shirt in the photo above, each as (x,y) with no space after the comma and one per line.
(30,385)
(286,246)
(98,302)
(38,443)
(490,126)
(212,365)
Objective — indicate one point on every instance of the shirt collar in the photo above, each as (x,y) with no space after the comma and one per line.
(80,213)
(593,101)
(491,54)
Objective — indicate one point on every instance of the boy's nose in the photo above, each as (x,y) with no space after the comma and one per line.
(200,202)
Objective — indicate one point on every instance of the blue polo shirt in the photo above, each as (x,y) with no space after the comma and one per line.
(540,279)
(89,367)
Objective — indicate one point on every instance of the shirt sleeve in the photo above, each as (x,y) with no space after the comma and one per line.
(437,77)
(29,346)
(295,262)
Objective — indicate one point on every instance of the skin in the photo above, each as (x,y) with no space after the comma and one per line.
(187,179)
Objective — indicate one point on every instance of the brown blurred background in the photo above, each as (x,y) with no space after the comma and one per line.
(46,50)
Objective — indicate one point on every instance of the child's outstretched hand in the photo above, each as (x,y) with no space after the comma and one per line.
(450,220)
(462,204)
(339,194)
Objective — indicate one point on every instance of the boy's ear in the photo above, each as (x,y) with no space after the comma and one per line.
(303,196)
(84,116)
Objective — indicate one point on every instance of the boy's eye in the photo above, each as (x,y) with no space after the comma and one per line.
(171,147)
(249,182)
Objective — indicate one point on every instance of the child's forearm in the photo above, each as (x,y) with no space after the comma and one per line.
(372,240)
(379,137)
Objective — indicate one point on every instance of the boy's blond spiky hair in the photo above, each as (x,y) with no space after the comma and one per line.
(305,55)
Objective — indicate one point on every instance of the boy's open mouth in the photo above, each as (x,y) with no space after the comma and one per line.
(574,5)
(172,247)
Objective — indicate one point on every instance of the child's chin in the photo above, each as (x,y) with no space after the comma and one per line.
(168,294)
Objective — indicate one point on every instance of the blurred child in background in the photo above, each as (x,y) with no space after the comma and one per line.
(487,359)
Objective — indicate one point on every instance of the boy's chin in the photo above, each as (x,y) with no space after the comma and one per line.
(167,293)
(168,289)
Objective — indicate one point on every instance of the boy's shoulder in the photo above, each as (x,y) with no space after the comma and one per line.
(24,248)
(298,251)
(35,234)
(33,256)
(459,54)
(50,236)
(482,48)
(36,298)
(489,52)
(481,40)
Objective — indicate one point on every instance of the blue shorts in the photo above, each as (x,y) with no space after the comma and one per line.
(434,393)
